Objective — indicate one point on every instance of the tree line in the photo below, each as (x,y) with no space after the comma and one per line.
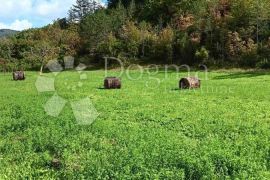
(231,33)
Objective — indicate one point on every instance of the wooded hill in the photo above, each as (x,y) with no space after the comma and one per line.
(219,33)
(7,32)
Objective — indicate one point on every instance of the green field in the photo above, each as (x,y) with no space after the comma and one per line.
(145,130)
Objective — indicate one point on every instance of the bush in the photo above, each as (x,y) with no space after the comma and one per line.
(164,45)
(110,47)
(263,64)
(202,55)
(132,38)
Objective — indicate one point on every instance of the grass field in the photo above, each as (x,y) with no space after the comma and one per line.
(145,130)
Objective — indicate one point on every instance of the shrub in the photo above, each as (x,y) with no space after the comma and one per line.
(110,47)
(202,55)
(243,51)
(263,64)
(131,36)
(164,44)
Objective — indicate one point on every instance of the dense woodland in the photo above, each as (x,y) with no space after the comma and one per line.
(218,33)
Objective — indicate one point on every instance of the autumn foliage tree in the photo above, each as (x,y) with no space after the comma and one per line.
(214,32)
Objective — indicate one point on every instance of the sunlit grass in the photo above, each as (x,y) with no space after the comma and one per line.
(148,129)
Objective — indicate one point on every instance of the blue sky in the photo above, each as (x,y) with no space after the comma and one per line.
(25,14)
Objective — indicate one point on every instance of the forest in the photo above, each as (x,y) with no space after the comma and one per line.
(216,33)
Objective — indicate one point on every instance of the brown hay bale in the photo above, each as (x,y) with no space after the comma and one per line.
(18,76)
(112,83)
(189,83)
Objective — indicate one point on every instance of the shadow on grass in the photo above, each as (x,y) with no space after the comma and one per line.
(242,75)
(185,90)
(176,89)
(101,88)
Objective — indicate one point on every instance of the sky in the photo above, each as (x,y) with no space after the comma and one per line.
(24,14)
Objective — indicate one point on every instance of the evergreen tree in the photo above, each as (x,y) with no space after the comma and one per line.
(81,9)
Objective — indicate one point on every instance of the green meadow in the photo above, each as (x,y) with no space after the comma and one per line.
(149,129)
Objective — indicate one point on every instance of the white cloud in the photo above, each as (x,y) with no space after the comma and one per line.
(47,8)
(34,13)
(53,9)
(17,25)
(14,8)
(31,13)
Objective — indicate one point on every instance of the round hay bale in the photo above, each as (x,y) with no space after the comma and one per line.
(112,83)
(189,83)
(18,76)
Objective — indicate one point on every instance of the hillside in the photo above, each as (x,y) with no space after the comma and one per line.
(7,32)
(213,33)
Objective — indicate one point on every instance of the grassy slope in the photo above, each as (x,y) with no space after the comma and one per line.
(141,131)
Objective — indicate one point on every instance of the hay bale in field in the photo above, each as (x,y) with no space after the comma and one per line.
(189,83)
(112,83)
(18,76)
